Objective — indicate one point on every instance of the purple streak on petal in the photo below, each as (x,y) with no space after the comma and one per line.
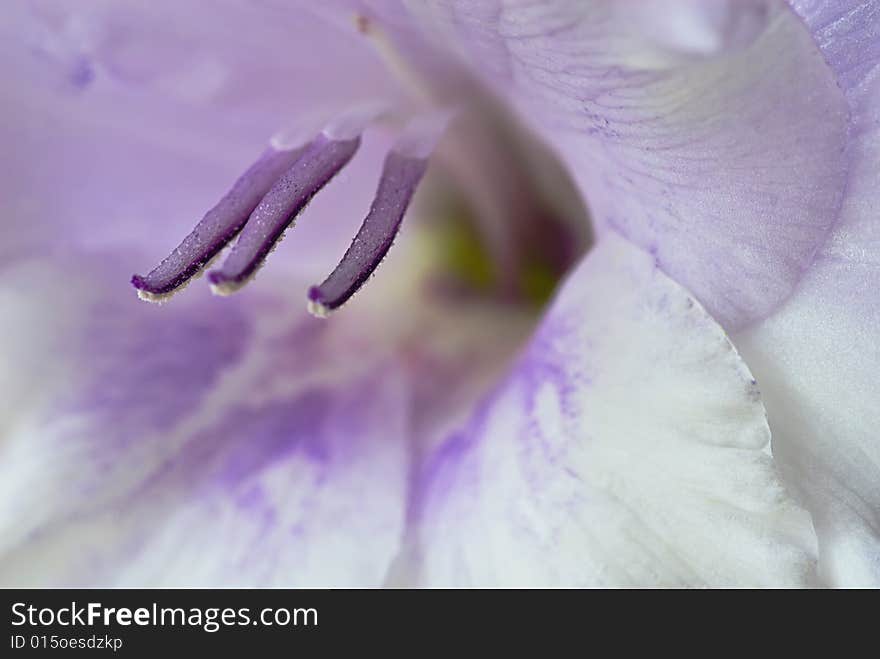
(319,163)
(218,227)
(400,176)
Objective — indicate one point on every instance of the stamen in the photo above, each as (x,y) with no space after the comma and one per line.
(219,226)
(318,164)
(401,174)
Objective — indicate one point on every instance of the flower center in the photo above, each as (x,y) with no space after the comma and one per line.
(508,235)
(504,217)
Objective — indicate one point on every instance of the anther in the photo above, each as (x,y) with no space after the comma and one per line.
(216,229)
(319,163)
(400,176)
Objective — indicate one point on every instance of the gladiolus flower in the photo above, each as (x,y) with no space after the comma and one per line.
(597,282)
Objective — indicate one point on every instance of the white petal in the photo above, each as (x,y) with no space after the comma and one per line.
(628,447)
(818,357)
(223,442)
(201,443)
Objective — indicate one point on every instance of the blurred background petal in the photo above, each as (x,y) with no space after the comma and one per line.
(123,122)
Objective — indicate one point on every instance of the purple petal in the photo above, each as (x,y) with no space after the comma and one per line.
(628,447)
(318,164)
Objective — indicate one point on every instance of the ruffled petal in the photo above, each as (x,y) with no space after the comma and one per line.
(628,447)
(818,357)
(709,133)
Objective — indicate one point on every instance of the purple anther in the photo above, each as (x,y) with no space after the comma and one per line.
(219,226)
(321,160)
(400,176)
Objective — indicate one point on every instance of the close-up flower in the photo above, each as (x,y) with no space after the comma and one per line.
(440,293)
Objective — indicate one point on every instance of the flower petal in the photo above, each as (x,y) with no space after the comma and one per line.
(178,101)
(197,444)
(234,442)
(628,447)
(818,357)
(712,137)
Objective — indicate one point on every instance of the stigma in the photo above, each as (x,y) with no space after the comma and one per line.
(267,198)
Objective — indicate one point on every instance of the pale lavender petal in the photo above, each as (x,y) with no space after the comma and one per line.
(711,134)
(265,60)
(319,163)
(818,356)
(400,176)
(628,447)
(177,102)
